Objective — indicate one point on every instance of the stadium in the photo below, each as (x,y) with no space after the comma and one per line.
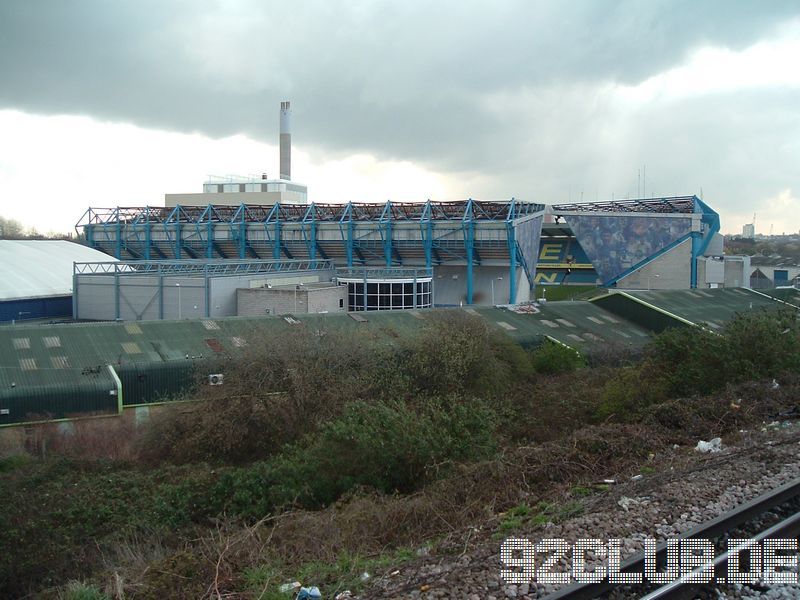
(475,252)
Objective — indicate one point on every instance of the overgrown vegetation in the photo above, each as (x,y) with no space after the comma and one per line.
(324,455)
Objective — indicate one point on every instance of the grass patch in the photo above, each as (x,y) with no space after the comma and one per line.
(523,515)
(346,572)
(11,463)
(554,293)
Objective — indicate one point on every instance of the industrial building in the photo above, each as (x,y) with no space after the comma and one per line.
(36,277)
(773,271)
(190,289)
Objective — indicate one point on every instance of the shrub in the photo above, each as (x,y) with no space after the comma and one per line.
(689,361)
(457,353)
(551,358)
(81,591)
(626,394)
(389,446)
(275,392)
(764,344)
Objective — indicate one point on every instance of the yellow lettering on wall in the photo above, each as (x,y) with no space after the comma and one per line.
(550,252)
(545,277)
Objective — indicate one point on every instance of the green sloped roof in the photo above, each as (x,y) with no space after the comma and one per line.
(711,307)
(60,370)
(790,295)
(581,325)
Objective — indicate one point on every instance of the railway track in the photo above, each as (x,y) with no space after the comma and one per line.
(781,504)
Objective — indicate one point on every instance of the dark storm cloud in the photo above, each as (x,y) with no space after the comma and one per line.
(512,90)
(401,79)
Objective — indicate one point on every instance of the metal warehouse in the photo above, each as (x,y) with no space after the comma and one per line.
(189,289)
(36,277)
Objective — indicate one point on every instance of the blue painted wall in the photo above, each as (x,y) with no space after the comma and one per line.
(55,307)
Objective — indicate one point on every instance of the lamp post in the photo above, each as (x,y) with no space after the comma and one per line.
(498,279)
(178,285)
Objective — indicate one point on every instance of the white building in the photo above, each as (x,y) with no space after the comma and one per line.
(234,190)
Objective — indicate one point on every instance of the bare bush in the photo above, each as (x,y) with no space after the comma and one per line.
(274,392)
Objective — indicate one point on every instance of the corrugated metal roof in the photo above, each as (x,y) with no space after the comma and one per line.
(710,307)
(37,268)
(41,367)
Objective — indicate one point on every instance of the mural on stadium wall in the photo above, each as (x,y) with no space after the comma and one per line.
(615,244)
(560,252)
(527,235)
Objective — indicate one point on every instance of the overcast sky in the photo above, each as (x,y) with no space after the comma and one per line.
(116,103)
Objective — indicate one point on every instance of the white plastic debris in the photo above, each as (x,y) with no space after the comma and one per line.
(637,477)
(714,445)
(365,576)
(344,595)
(775,385)
(290,587)
(309,593)
(626,503)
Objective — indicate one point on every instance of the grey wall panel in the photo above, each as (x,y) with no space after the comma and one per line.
(670,271)
(95,298)
(138,298)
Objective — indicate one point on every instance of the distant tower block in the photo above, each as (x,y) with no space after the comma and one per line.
(286,142)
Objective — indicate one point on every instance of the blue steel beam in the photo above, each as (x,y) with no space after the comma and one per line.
(468,225)
(426,230)
(274,217)
(385,227)
(118,250)
(310,238)
(176,243)
(206,217)
(346,231)
(512,252)
(709,220)
(148,234)
(241,231)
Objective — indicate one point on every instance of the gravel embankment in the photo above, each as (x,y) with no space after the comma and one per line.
(689,489)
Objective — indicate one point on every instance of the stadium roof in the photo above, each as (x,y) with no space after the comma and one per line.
(478,210)
(41,268)
(674,204)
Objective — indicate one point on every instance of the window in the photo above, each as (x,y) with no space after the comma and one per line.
(388,295)
(52,341)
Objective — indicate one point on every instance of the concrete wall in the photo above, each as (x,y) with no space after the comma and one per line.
(670,271)
(737,272)
(450,285)
(151,297)
(263,301)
